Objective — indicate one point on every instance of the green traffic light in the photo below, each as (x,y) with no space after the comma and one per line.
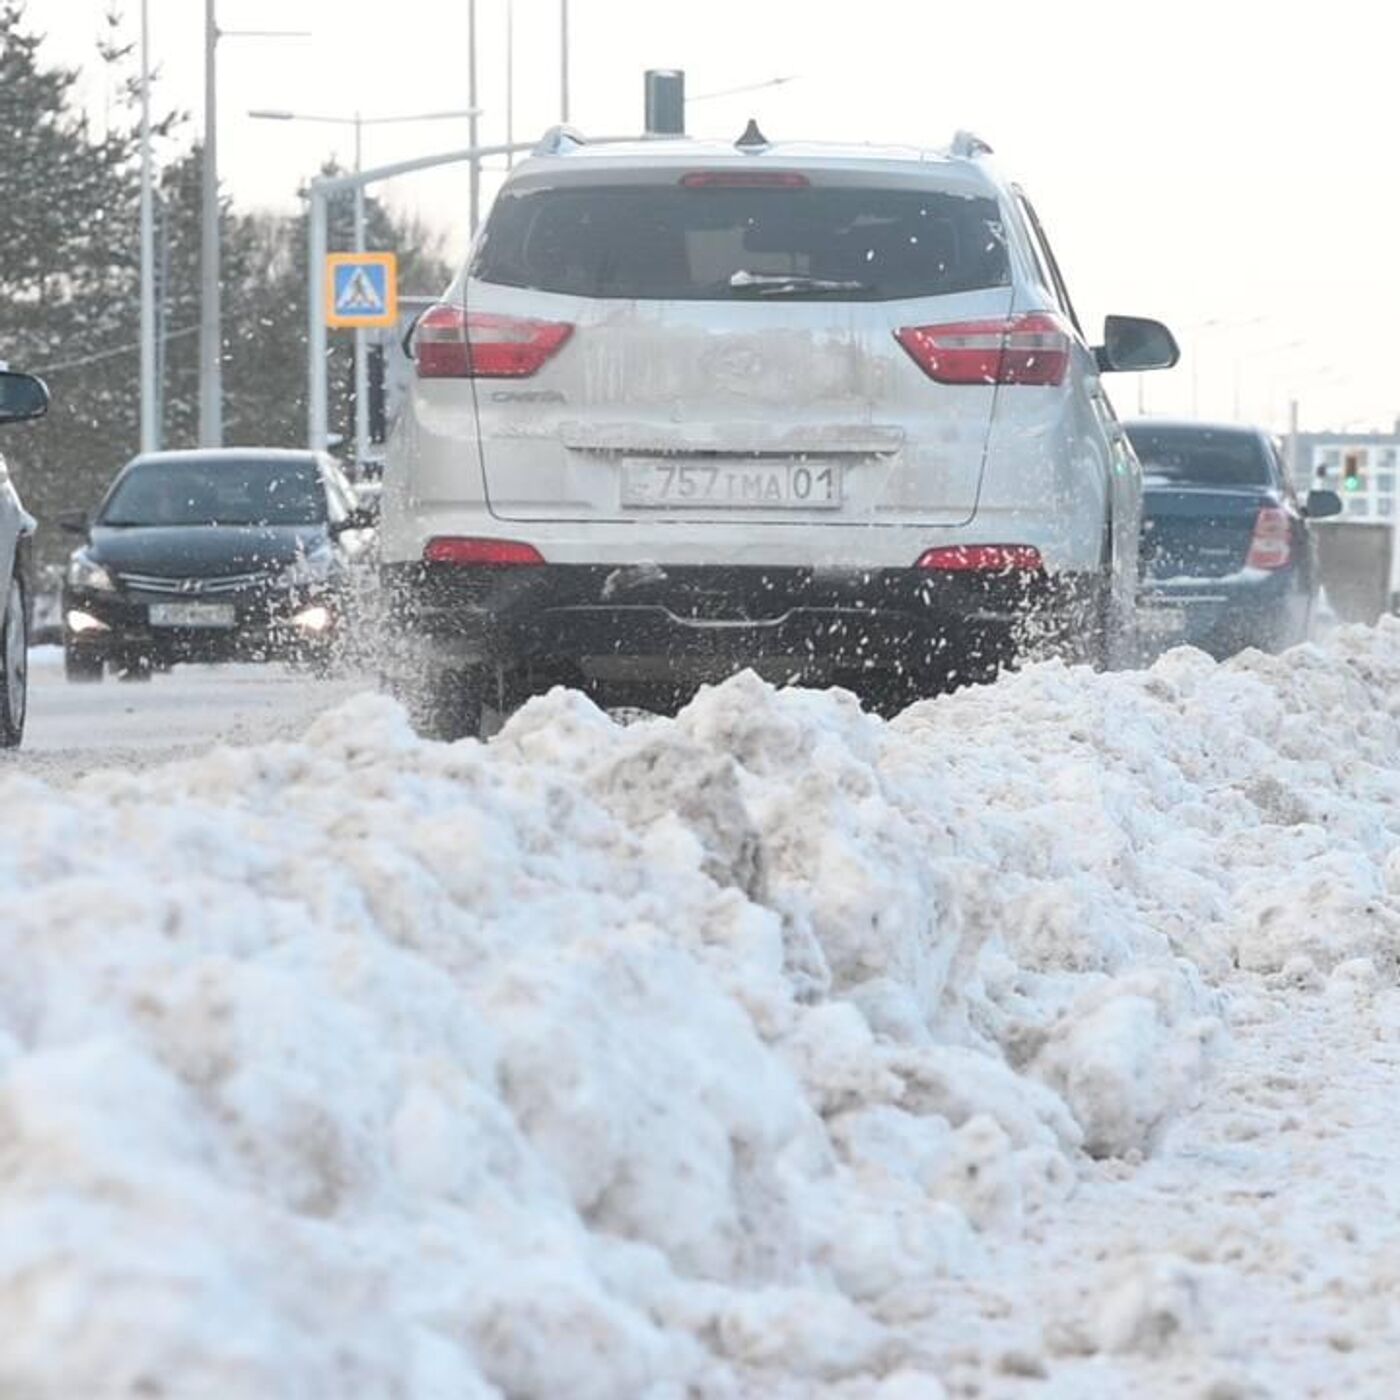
(1351,483)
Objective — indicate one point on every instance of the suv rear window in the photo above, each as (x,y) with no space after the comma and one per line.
(717,243)
(1201,456)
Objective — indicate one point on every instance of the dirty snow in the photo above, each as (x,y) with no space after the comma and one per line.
(1044,1037)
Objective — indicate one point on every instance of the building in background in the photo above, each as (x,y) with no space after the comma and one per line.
(1360,467)
(1358,552)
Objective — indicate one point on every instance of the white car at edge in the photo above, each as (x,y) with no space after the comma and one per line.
(21,397)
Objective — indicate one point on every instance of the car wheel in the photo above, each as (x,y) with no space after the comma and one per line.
(445,705)
(81,667)
(14,666)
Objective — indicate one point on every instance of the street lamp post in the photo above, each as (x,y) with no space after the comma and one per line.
(361,344)
(564,61)
(474,188)
(211,389)
(150,428)
(510,81)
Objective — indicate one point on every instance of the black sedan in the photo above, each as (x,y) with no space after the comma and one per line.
(1228,560)
(235,554)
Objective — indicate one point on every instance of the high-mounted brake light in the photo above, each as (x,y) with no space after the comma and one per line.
(450,343)
(745,180)
(1271,546)
(1029,349)
(454,549)
(982,559)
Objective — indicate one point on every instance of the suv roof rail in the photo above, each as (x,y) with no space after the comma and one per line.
(559,141)
(968,145)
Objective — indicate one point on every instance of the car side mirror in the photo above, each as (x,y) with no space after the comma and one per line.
(1322,504)
(1133,343)
(22,396)
(74,522)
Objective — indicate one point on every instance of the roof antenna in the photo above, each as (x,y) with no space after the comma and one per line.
(752,139)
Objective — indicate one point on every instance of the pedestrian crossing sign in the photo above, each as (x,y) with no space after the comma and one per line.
(362,289)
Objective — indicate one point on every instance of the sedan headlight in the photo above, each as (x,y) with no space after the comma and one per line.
(85,572)
(316,566)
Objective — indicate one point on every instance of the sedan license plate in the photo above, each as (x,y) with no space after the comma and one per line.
(730,485)
(191,614)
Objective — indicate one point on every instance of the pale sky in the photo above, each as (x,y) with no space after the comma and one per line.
(1204,161)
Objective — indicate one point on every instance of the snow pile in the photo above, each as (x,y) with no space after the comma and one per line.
(655,1061)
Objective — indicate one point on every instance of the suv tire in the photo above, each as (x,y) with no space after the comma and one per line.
(445,705)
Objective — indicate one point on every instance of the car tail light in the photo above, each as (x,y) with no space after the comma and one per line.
(1030,349)
(1271,546)
(451,343)
(744,180)
(982,559)
(453,549)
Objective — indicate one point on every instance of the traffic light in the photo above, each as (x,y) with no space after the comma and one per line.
(1352,479)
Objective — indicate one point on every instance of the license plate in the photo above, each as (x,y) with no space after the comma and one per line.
(812,485)
(191,614)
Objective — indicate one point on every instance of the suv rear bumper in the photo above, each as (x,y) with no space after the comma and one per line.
(645,624)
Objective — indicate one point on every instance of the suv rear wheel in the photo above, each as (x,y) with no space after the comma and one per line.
(445,705)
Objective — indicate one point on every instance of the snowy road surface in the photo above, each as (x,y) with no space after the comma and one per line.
(1044,1041)
(75,729)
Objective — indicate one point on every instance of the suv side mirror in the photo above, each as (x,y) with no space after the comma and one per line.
(22,396)
(1134,343)
(1322,504)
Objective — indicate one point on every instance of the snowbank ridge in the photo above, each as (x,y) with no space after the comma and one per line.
(659,1061)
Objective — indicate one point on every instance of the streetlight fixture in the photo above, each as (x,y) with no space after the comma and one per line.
(359,122)
(211,388)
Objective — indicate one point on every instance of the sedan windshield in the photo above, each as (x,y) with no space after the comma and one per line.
(1190,456)
(242,491)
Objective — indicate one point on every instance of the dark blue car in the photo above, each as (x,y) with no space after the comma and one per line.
(1228,561)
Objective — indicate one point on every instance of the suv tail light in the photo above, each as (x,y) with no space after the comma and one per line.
(1030,349)
(982,559)
(450,343)
(453,549)
(1271,545)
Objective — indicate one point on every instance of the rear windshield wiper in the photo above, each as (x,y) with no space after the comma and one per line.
(769,284)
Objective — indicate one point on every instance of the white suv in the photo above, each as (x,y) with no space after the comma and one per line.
(825,412)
